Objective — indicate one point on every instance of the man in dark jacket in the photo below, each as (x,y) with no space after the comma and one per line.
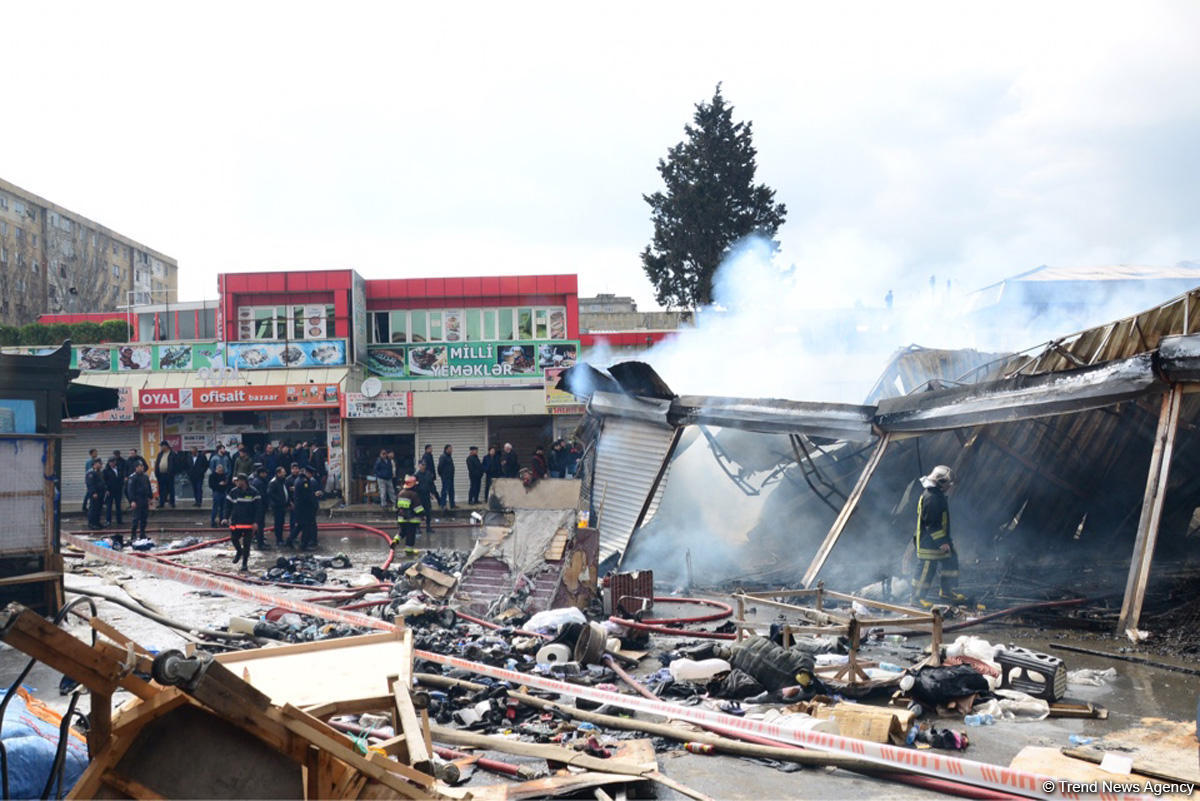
(510,465)
(425,490)
(196,472)
(123,471)
(306,495)
(218,483)
(491,471)
(554,459)
(409,512)
(446,474)
(279,496)
(258,482)
(427,458)
(270,459)
(94,486)
(165,467)
(243,517)
(294,518)
(385,478)
(133,459)
(137,490)
(474,474)
(243,463)
(112,492)
(935,550)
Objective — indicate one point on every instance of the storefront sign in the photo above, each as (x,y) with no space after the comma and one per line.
(123,412)
(299,420)
(385,404)
(151,436)
(238,397)
(557,397)
(471,360)
(309,353)
(131,357)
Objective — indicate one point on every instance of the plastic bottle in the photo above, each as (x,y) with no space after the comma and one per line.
(700,748)
(894,668)
(913,731)
(691,670)
(979,720)
(1078,739)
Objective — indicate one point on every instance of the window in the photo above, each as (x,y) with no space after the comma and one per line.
(541,325)
(524,323)
(506,324)
(3,255)
(419,329)
(489,324)
(62,270)
(116,271)
(4,202)
(435,326)
(3,228)
(474,326)
(34,237)
(398,325)
(283,322)
(114,246)
(379,328)
(18,207)
(20,235)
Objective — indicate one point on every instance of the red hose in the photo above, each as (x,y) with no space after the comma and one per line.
(633,624)
(724,610)
(495,627)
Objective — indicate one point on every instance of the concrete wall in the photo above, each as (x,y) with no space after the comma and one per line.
(631,321)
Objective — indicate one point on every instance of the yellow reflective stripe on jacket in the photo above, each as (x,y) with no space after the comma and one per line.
(403,503)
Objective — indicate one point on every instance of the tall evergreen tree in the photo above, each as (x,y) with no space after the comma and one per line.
(711,201)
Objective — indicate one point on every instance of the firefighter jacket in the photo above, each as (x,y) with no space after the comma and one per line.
(409,508)
(243,506)
(933,524)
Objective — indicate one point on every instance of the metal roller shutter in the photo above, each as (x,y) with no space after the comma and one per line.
(382,425)
(462,433)
(523,433)
(77,443)
(628,456)
(565,425)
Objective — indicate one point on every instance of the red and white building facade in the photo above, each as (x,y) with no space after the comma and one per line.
(328,357)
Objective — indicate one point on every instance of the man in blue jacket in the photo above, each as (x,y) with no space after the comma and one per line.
(385,477)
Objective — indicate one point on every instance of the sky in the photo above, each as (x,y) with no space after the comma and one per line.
(965,140)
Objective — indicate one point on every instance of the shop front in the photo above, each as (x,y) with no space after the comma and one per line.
(253,415)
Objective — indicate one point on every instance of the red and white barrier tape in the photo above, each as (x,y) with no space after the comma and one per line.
(927,763)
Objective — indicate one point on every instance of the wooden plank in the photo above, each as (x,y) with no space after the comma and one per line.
(419,756)
(30,578)
(112,633)
(312,773)
(130,788)
(132,720)
(278,651)
(1152,506)
(839,524)
(32,634)
(351,706)
(338,744)
(93,776)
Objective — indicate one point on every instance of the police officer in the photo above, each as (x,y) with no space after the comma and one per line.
(305,504)
(409,511)
(259,483)
(935,550)
(243,504)
(137,490)
(94,485)
(293,519)
(279,496)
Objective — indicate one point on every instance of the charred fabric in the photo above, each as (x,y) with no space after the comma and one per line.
(1071,458)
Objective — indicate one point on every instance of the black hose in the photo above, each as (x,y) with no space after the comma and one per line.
(56,767)
(58,619)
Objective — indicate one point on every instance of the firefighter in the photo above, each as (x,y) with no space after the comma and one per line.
(243,504)
(935,550)
(306,493)
(409,511)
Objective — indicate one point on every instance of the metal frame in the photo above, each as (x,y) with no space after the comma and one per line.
(831,622)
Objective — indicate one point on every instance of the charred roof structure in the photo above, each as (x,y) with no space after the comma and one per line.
(1074,453)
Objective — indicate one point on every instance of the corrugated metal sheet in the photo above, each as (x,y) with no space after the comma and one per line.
(461,433)
(628,456)
(76,444)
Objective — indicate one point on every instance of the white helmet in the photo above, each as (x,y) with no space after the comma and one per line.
(941,477)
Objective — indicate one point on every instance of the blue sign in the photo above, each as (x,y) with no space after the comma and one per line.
(306,353)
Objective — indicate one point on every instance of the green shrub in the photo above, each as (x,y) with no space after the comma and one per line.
(35,334)
(86,333)
(114,331)
(10,335)
(59,333)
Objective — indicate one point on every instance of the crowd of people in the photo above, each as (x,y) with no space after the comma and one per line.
(288,481)
(499,462)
